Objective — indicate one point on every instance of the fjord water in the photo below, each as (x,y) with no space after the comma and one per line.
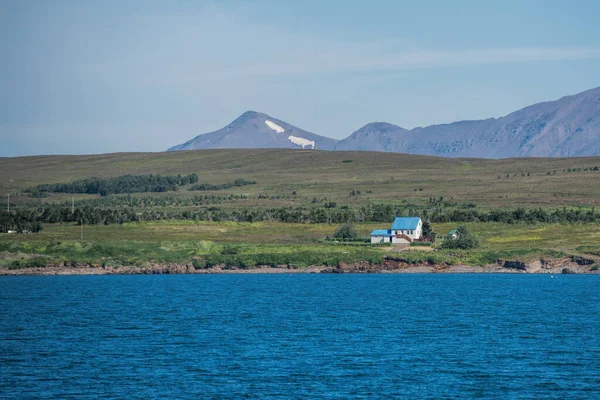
(300,336)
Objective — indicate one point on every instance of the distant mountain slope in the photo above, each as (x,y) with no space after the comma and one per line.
(258,130)
(376,136)
(562,128)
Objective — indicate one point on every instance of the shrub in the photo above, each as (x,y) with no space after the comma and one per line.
(427,228)
(230,250)
(37,262)
(426,244)
(465,240)
(346,232)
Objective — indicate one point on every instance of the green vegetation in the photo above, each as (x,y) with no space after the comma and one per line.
(121,184)
(346,232)
(30,217)
(207,243)
(277,205)
(421,244)
(389,177)
(237,183)
(465,240)
(205,254)
(202,254)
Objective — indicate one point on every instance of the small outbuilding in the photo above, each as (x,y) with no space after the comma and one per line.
(453,234)
(381,236)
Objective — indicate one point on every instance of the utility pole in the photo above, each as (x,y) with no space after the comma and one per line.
(81,235)
(73,205)
(8,206)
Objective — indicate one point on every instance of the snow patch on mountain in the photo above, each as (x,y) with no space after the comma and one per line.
(301,141)
(274,126)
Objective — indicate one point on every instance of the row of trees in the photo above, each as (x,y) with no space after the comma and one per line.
(156,201)
(120,184)
(111,215)
(149,201)
(519,215)
(226,185)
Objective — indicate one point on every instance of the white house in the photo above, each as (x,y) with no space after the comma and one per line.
(404,230)
(409,226)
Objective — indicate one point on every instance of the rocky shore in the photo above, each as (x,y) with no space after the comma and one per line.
(557,266)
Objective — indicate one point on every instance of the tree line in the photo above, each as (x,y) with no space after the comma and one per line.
(226,185)
(127,200)
(31,219)
(22,221)
(120,184)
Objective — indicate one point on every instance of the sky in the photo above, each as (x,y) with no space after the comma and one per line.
(85,77)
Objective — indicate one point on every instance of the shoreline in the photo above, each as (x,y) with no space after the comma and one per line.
(553,267)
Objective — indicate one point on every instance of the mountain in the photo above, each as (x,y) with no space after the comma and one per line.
(566,127)
(257,130)
(563,128)
(376,136)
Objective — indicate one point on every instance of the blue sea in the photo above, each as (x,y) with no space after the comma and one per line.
(300,336)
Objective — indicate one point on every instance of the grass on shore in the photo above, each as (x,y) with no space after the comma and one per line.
(273,243)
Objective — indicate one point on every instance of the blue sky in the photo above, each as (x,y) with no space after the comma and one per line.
(81,77)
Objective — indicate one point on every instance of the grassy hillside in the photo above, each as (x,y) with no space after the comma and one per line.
(383,177)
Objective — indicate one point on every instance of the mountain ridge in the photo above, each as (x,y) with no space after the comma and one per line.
(254,129)
(567,127)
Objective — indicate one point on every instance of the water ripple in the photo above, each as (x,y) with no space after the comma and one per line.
(274,336)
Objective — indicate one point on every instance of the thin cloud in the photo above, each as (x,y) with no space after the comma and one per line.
(299,61)
(328,62)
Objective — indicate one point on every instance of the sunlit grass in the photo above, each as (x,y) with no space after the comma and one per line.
(272,242)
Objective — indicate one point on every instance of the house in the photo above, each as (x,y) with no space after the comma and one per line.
(404,230)
(409,226)
(453,234)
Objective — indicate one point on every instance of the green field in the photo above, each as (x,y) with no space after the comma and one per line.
(297,244)
(309,179)
(492,235)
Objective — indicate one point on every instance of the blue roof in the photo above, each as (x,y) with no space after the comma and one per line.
(405,223)
(381,232)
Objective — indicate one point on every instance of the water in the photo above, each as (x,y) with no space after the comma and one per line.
(300,336)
